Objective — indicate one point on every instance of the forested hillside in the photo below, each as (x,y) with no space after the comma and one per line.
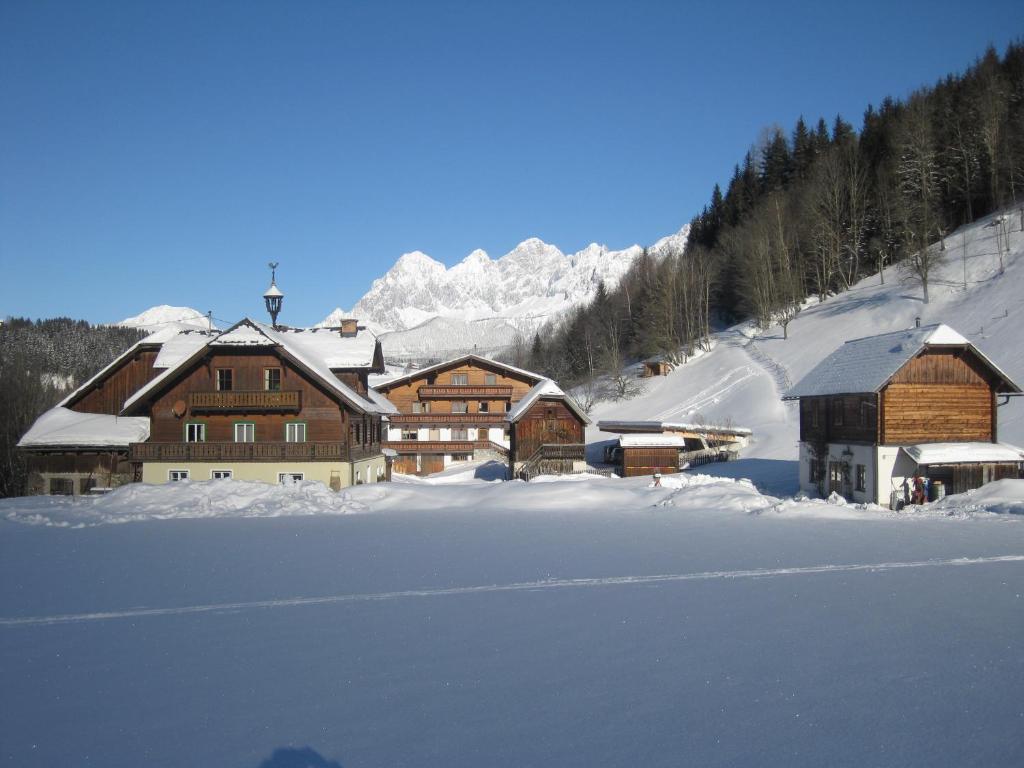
(811,212)
(40,362)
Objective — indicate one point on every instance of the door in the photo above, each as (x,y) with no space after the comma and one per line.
(835,477)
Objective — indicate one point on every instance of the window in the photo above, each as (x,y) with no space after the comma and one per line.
(862,477)
(410,434)
(460,379)
(421,407)
(287,478)
(62,486)
(508,406)
(490,379)
(359,477)
(461,456)
(295,432)
(460,406)
(177,475)
(837,411)
(221,474)
(195,432)
(484,407)
(460,434)
(245,432)
(359,433)
(272,379)
(225,379)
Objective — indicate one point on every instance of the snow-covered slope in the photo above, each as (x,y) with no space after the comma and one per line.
(742,379)
(532,282)
(163,316)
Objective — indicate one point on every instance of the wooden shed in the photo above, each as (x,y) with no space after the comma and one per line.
(546,433)
(648,454)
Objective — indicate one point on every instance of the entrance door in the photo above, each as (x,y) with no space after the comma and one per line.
(835,477)
(431,462)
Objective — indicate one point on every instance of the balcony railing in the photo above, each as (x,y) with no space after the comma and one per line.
(245,400)
(466,419)
(479,391)
(245,452)
(444,446)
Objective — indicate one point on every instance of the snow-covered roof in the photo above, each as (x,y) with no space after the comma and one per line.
(383,404)
(337,351)
(458,361)
(180,346)
(250,333)
(669,426)
(544,388)
(652,441)
(273,291)
(867,364)
(963,453)
(61,427)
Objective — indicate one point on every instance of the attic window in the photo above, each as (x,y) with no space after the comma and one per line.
(272,379)
(460,379)
(490,379)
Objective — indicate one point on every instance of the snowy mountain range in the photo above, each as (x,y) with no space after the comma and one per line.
(529,284)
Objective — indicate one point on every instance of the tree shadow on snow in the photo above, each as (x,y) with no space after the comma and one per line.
(305,757)
(772,476)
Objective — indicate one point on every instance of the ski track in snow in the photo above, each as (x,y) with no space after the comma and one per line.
(529,586)
(711,394)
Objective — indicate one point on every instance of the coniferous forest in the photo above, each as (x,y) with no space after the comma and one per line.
(40,362)
(809,212)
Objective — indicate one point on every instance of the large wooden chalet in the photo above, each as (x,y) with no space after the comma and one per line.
(883,410)
(254,402)
(459,410)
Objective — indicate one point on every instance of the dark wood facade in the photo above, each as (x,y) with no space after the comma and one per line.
(194,398)
(646,460)
(548,421)
(108,393)
(940,396)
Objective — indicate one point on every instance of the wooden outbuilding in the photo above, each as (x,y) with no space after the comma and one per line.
(546,433)
(874,411)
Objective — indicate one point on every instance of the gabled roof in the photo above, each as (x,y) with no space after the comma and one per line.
(172,343)
(249,333)
(529,375)
(867,364)
(61,427)
(548,390)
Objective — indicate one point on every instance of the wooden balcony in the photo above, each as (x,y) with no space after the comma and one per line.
(465,391)
(444,446)
(331,451)
(245,401)
(443,419)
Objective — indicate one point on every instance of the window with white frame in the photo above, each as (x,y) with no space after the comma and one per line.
(295,432)
(245,432)
(287,478)
(177,475)
(225,379)
(460,406)
(410,434)
(195,432)
(484,407)
(421,406)
(490,379)
(221,474)
(460,433)
(460,379)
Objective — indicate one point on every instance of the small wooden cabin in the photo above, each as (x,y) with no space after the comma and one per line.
(872,413)
(655,366)
(546,433)
(649,454)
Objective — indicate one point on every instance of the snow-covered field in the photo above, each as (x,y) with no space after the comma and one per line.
(461,621)
(583,622)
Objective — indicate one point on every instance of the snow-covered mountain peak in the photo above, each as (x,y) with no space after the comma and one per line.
(164,315)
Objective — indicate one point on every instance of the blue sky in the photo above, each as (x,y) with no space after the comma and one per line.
(163,153)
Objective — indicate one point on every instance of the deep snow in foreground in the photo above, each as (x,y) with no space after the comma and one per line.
(591,622)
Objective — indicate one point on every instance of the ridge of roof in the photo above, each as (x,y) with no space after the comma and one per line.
(545,388)
(455,360)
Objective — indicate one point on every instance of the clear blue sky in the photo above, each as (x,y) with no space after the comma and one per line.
(163,153)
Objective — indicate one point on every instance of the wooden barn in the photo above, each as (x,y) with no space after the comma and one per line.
(647,454)
(546,433)
(883,410)
(655,366)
